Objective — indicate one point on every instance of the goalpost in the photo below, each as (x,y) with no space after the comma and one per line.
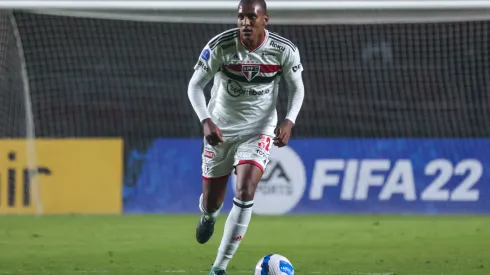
(16,96)
(121,68)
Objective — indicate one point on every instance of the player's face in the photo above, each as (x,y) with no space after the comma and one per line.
(251,22)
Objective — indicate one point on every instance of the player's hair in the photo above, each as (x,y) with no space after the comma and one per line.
(262,4)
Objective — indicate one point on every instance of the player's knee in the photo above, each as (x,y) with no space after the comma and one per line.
(245,192)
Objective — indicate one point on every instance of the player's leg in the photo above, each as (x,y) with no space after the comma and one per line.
(248,177)
(217,164)
(210,204)
(249,171)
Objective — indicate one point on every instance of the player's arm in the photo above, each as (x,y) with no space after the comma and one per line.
(206,67)
(292,70)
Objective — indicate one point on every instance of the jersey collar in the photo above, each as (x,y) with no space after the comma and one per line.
(259,45)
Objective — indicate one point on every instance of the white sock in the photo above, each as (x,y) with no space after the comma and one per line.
(209,215)
(235,228)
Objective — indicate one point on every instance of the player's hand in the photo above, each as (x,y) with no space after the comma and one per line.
(212,133)
(283,133)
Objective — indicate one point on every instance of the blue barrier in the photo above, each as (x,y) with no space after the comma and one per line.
(420,176)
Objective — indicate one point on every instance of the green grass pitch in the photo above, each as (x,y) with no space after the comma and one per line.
(165,244)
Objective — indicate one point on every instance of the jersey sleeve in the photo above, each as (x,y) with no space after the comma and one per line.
(209,61)
(292,64)
(292,69)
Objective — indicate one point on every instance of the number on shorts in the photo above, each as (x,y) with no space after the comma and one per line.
(265,142)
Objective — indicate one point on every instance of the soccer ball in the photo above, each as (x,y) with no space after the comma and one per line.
(274,264)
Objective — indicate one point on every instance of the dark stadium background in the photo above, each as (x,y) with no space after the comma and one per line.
(129,79)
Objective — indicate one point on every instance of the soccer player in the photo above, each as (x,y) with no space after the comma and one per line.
(240,121)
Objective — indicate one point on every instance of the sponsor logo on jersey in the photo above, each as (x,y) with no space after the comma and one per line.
(205,54)
(297,67)
(203,66)
(262,153)
(235,89)
(209,154)
(283,183)
(277,46)
(268,54)
(250,71)
(226,46)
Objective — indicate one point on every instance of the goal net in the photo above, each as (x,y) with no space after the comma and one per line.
(88,77)
(97,77)
(13,109)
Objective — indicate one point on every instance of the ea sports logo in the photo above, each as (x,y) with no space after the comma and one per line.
(282,184)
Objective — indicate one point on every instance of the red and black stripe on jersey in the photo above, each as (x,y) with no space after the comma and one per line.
(259,79)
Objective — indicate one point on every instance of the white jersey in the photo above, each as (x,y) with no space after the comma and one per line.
(245,89)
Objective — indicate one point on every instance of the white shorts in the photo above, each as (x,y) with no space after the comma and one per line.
(219,161)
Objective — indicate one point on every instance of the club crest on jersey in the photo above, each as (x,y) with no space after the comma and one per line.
(250,71)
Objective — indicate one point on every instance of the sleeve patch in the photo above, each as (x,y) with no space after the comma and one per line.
(205,54)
